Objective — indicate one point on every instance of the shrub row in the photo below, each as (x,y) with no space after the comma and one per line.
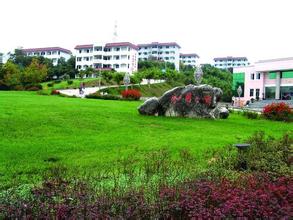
(249,197)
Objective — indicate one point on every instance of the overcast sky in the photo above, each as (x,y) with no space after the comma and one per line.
(258,29)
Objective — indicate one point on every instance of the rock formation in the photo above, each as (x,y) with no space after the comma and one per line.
(186,101)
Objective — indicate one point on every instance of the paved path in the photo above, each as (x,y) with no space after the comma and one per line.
(90,90)
(86,91)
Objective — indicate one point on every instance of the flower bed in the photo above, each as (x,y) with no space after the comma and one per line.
(278,111)
(131,94)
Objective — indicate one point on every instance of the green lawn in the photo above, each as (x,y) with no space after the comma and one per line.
(85,134)
(146,90)
(64,84)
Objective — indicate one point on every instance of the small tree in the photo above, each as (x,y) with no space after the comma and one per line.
(118,77)
(11,75)
(34,73)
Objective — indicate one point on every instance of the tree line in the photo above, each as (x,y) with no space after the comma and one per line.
(23,72)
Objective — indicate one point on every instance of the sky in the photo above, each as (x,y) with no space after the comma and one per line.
(257,29)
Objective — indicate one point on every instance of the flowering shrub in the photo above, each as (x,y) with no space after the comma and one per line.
(278,111)
(249,197)
(131,94)
(55,92)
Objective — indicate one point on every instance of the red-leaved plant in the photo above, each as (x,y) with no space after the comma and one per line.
(249,197)
(278,111)
(131,94)
(55,92)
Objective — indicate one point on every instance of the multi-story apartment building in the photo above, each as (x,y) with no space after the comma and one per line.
(120,56)
(230,62)
(266,79)
(168,52)
(189,59)
(52,53)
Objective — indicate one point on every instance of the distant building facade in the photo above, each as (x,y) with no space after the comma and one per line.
(189,59)
(265,79)
(230,62)
(120,56)
(168,52)
(52,53)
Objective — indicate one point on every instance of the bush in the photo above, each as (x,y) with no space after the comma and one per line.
(248,197)
(55,92)
(57,81)
(131,94)
(105,97)
(267,155)
(69,82)
(278,111)
(50,84)
(33,87)
(251,114)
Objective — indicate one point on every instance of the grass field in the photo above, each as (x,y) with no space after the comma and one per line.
(145,90)
(87,134)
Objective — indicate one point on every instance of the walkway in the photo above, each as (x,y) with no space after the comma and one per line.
(90,90)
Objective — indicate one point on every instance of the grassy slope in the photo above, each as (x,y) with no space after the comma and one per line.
(146,91)
(91,133)
(89,82)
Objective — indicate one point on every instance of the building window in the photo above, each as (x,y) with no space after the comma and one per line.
(79,51)
(251,91)
(252,76)
(258,76)
(98,48)
(272,75)
(78,58)
(257,93)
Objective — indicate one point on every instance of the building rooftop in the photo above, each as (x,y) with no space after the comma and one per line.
(230,58)
(84,46)
(43,49)
(275,60)
(159,44)
(189,55)
(122,44)
(118,44)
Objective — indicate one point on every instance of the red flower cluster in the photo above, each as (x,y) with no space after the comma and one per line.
(132,94)
(55,92)
(277,111)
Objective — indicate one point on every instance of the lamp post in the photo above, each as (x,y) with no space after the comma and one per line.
(126,80)
(198,73)
(239,91)
(100,75)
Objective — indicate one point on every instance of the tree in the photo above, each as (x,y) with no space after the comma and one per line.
(10,76)
(34,73)
(219,78)
(118,77)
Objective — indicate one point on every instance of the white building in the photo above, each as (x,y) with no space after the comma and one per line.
(52,53)
(230,62)
(120,56)
(189,59)
(168,52)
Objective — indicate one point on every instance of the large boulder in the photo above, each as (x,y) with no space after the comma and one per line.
(186,101)
(150,107)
